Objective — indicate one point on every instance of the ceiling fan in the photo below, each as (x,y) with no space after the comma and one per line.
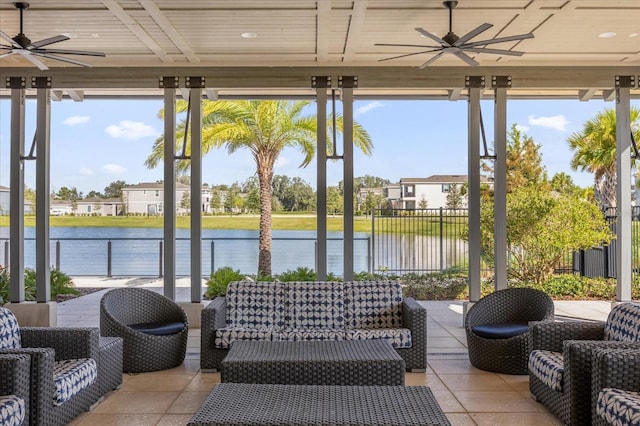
(458,46)
(32,51)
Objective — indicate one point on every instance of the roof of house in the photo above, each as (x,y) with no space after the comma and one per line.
(441,179)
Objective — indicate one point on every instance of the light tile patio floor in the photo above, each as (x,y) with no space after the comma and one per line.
(467,395)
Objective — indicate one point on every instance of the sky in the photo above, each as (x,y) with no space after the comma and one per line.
(96,142)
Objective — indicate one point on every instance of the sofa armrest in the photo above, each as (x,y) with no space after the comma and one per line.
(67,342)
(14,375)
(616,368)
(213,317)
(414,317)
(549,335)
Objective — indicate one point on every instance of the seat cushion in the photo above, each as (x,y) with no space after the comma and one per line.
(619,407)
(255,304)
(9,330)
(548,367)
(71,376)
(397,337)
(226,336)
(296,335)
(314,306)
(372,304)
(503,330)
(159,329)
(12,410)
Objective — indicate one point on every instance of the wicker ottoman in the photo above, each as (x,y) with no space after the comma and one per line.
(110,364)
(352,362)
(259,404)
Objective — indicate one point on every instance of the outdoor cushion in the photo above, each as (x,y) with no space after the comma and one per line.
(372,304)
(12,411)
(548,367)
(159,329)
(298,334)
(71,376)
(500,331)
(622,323)
(9,330)
(226,336)
(397,337)
(619,407)
(314,305)
(255,304)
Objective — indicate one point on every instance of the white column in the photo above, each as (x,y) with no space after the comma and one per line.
(16,195)
(321,179)
(169,201)
(474,192)
(43,163)
(500,188)
(196,194)
(347,137)
(623,193)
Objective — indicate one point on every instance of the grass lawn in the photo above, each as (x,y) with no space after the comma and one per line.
(280,222)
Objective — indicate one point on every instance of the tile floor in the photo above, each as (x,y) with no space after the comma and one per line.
(467,395)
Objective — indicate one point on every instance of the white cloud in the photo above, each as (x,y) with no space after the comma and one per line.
(368,107)
(113,169)
(131,130)
(556,122)
(522,128)
(85,171)
(76,119)
(282,162)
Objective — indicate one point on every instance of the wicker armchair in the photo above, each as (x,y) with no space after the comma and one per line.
(154,328)
(63,368)
(616,387)
(561,360)
(497,328)
(14,389)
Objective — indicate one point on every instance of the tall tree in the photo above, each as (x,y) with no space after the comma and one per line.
(594,150)
(264,128)
(216,201)
(114,189)
(66,193)
(454,197)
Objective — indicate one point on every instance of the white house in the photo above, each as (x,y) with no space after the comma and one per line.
(147,198)
(432,190)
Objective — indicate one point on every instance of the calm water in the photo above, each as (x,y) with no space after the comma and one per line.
(136,251)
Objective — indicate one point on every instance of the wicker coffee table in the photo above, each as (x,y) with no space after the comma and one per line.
(352,362)
(259,404)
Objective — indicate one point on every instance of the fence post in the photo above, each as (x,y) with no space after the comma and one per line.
(315,254)
(160,262)
(369,250)
(441,242)
(372,253)
(109,259)
(605,261)
(213,245)
(582,265)
(58,255)
(6,254)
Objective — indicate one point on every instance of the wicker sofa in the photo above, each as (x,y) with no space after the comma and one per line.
(14,389)
(314,311)
(616,387)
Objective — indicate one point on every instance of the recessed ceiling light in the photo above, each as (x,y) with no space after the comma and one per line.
(634,34)
(249,35)
(607,34)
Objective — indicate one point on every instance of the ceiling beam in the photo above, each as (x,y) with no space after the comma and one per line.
(323,25)
(355,28)
(586,94)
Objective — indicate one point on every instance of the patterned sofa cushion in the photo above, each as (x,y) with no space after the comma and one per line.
(398,337)
(623,323)
(226,336)
(9,330)
(12,411)
(255,305)
(548,367)
(619,407)
(372,304)
(314,306)
(71,376)
(295,335)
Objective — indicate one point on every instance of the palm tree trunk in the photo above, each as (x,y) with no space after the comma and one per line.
(265,175)
(609,185)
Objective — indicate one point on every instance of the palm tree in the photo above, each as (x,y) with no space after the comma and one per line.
(265,128)
(594,150)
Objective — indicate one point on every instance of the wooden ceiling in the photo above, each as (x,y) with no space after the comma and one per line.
(198,37)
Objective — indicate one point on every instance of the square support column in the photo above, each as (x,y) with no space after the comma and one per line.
(500,85)
(170,85)
(321,84)
(43,189)
(196,84)
(16,195)
(347,84)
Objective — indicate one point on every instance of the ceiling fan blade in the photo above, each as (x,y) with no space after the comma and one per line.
(468,59)
(406,45)
(471,34)
(4,55)
(408,54)
(32,58)
(500,40)
(432,36)
(63,59)
(47,41)
(493,51)
(68,52)
(430,61)
(9,40)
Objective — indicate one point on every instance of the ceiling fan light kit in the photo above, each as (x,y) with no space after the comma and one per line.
(458,46)
(33,51)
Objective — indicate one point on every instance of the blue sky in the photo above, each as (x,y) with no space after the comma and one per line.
(96,142)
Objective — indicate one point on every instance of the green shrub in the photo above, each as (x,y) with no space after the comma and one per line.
(60,283)
(219,280)
(4,285)
(302,273)
(435,286)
